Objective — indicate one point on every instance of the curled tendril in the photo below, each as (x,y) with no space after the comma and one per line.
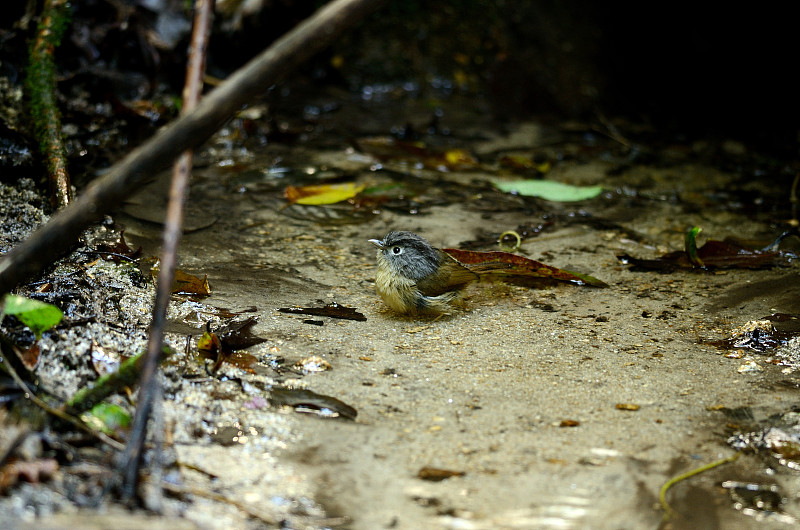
(512,248)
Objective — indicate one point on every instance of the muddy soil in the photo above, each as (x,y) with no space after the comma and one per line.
(560,406)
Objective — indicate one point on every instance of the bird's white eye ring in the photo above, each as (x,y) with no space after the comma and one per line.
(396,250)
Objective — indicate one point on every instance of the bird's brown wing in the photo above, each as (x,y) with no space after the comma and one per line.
(491,267)
(450,275)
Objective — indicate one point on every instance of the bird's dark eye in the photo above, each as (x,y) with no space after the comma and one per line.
(396,250)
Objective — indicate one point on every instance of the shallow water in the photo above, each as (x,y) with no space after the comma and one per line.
(526,392)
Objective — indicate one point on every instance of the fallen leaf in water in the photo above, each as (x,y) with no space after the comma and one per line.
(713,255)
(189,284)
(209,343)
(308,401)
(118,251)
(549,190)
(435,474)
(524,162)
(225,344)
(318,194)
(387,148)
(504,263)
(238,335)
(626,406)
(333,310)
(458,159)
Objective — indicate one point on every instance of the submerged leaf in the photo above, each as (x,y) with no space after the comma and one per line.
(504,263)
(118,250)
(239,335)
(549,190)
(185,283)
(333,310)
(38,316)
(387,148)
(306,399)
(224,345)
(713,255)
(435,474)
(319,194)
(457,159)
(526,163)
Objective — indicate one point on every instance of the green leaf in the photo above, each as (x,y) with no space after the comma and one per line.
(549,190)
(38,316)
(107,418)
(690,245)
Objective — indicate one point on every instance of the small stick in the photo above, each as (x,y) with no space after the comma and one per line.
(150,390)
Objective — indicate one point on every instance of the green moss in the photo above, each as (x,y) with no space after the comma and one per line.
(40,80)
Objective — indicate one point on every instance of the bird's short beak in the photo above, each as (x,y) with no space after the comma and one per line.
(377,242)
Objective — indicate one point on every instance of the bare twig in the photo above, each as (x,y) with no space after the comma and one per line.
(150,390)
(251,511)
(310,36)
(793,200)
(41,85)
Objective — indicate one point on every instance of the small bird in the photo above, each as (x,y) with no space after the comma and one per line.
(415,277)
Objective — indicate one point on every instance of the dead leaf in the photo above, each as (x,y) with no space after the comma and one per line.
(333,310)
(435,474)
(188,284)
(713,255)
(388,148)
(497,262)
(308,401)
(226,343)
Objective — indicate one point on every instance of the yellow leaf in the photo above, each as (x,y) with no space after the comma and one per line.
(185,283)
(460,159)
(322,193)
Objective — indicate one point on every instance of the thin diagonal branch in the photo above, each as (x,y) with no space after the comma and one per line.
(150,389)
(102,196)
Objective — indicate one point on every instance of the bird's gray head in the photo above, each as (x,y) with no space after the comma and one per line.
(408,254)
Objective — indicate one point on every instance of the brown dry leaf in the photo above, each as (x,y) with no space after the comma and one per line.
(713,255)
(497,262)
(185,283)
(434,474)
(32,472)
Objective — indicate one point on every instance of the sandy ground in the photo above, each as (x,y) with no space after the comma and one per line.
(522,393)
(490,391)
